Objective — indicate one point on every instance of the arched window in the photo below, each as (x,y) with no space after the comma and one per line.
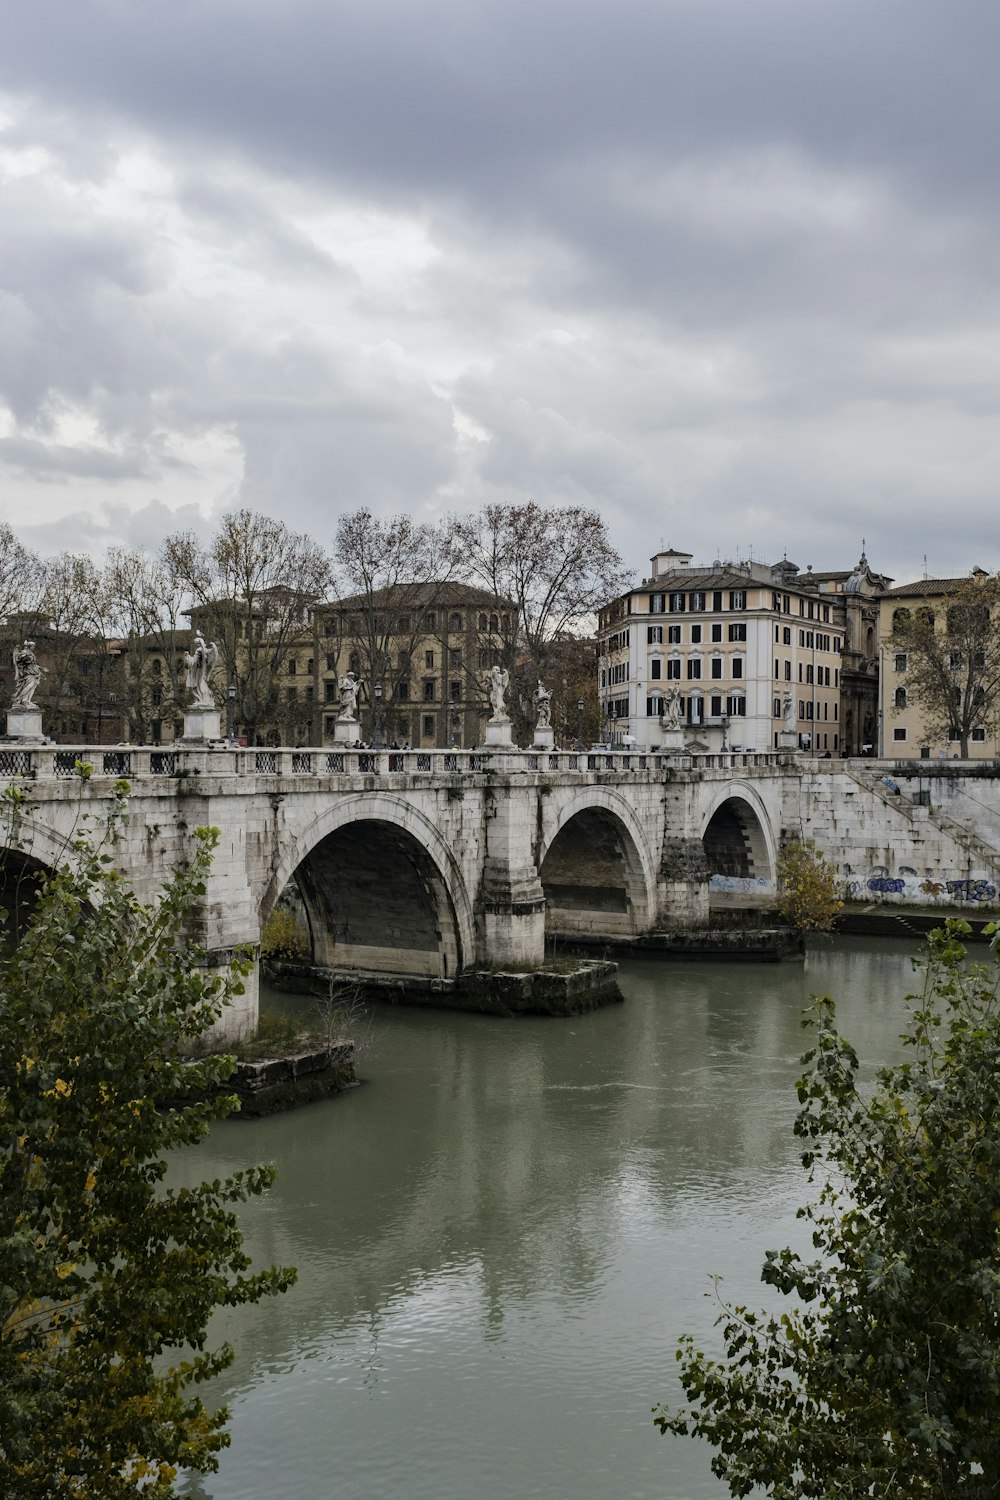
(455,622)
(482,622)
(355,663)
(900,697)
(900,617)
(494,623)
(927,616)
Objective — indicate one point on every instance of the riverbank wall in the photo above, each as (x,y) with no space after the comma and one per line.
(904,833)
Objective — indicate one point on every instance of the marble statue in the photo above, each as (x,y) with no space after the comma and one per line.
(788,712)
(497,687)
(349,687)
(543,703)
(200,664)
(672,709)
(27,676)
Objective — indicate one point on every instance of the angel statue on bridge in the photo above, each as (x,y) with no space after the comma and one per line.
(349,687)
(200,664)
(27,676)
(543,705)
(497,685)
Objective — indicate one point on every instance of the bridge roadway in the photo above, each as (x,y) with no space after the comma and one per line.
(413,862)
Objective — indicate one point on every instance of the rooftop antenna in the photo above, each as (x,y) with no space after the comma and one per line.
(925,565)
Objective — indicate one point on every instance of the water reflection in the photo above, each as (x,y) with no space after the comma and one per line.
(500,1235)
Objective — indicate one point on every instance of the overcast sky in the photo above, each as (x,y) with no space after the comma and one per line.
(728,270)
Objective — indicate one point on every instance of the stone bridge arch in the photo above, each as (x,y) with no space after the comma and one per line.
(35,852)
(595,864)
(738,840)
(382,889)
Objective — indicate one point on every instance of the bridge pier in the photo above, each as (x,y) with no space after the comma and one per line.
(510,912)
(682,884)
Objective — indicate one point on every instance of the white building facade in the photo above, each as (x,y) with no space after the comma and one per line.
(735,655)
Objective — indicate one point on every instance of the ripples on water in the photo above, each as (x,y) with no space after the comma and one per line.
(502,1233)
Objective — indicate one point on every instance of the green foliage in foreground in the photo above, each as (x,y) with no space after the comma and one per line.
(883,1375)
(107,1278)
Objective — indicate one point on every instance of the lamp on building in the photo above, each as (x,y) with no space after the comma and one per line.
(378,714)
(231,712)
(579,724)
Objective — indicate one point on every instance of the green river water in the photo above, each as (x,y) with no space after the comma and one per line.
(502,1232)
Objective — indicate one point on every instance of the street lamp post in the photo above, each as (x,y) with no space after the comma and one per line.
(378,714)
(579,724)
(231,712)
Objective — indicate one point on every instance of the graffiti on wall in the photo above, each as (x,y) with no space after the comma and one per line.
(741,885)
(927,890)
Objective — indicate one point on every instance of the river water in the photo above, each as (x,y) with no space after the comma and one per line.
(502,1233)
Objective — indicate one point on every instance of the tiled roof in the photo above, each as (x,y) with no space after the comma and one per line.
(923,587)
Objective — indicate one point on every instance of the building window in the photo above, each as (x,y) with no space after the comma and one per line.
(736,706)
(716,669)
(776,708)
(694,667)
(454,659)
(716,705)
(428,726)
(292,666)
(674,667)
(656,669)
(428,658)
(429,690)
(695,709)
(738,631)
(900,661)
(654,634)
(698,602)
(738,599)
(696,635)
(430,620)
(402,691)
(786,635)
(737,666)
(454,691)
(899,734)
(654,707)
(900,697)
(809,673)
(656,603)
(717,631)
(717,600)
(788,671)
(455,623)
(678,603)
(673,635)
(954,660)
(979,735)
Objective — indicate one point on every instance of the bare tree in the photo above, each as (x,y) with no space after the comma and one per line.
(393,575)
(549,569)
(253,588)
(21,575)
(953,657)
(147,599)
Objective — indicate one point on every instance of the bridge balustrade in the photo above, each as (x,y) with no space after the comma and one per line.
(139,761)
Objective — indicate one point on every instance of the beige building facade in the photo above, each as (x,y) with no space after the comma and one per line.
(905,734)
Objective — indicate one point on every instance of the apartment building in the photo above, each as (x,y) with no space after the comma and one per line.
(747,655)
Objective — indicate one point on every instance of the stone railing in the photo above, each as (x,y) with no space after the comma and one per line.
(61,762)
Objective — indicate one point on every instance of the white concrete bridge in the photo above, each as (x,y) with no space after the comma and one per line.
(427,864)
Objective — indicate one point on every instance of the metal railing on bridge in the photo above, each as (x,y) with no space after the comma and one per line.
(62,762)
